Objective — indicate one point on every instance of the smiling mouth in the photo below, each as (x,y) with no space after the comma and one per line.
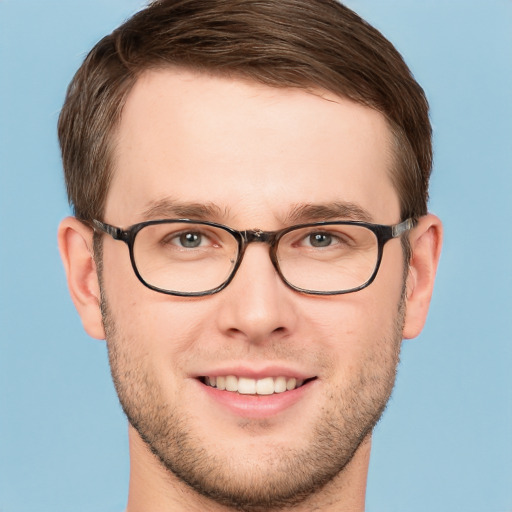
(247,386)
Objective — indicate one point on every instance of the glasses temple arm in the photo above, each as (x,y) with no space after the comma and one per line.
(400,229)
(116,233)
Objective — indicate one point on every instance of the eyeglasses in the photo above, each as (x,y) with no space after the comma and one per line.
(195,258)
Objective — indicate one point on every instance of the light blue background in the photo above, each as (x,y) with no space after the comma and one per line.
(445,443)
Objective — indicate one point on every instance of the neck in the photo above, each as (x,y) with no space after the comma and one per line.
(154,489)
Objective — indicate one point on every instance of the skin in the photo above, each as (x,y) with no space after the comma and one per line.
(254,154)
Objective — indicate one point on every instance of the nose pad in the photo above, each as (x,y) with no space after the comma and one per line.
(264,246)
(256,305)
(259,266)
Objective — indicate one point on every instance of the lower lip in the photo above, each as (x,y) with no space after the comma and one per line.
(257,406)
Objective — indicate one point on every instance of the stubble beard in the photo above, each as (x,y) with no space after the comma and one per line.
(282,478)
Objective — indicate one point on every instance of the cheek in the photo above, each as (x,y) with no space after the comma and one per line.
(352,327)
(159,328)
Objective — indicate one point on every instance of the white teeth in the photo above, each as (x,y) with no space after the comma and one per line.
(231,383)
(246,386)
(290,384)
(221,383)
(265,386)
(280,385)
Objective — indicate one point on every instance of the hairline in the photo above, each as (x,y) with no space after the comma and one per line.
(396,138)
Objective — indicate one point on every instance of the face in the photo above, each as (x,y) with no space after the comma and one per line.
(249,156)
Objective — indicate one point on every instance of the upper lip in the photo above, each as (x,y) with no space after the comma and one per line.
(253,372)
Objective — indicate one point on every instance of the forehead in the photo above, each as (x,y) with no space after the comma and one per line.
(253,152)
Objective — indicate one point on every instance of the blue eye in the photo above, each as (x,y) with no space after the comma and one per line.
(320,239)
(190,240)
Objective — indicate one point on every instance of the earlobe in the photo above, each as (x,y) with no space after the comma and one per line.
(425,241)
(75,245)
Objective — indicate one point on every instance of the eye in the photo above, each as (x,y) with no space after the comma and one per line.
(187,239)
(320,239)
(334,238)
(190,240)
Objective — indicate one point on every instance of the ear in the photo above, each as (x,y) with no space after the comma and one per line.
(425,240)
(76,251)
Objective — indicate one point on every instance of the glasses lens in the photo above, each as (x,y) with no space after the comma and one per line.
(328,258)
(184,257)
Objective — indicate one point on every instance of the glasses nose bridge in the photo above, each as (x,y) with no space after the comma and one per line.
(257,235)
(270,238)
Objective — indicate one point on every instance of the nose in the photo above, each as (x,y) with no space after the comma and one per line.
(257,306)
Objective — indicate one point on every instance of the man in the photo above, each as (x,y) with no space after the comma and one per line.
(251,238)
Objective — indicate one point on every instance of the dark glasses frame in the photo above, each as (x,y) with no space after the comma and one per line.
(383,233)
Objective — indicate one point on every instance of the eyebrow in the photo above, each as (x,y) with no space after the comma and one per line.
(167,208)
(312,212)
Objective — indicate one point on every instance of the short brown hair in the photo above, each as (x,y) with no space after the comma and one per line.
(285,43)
